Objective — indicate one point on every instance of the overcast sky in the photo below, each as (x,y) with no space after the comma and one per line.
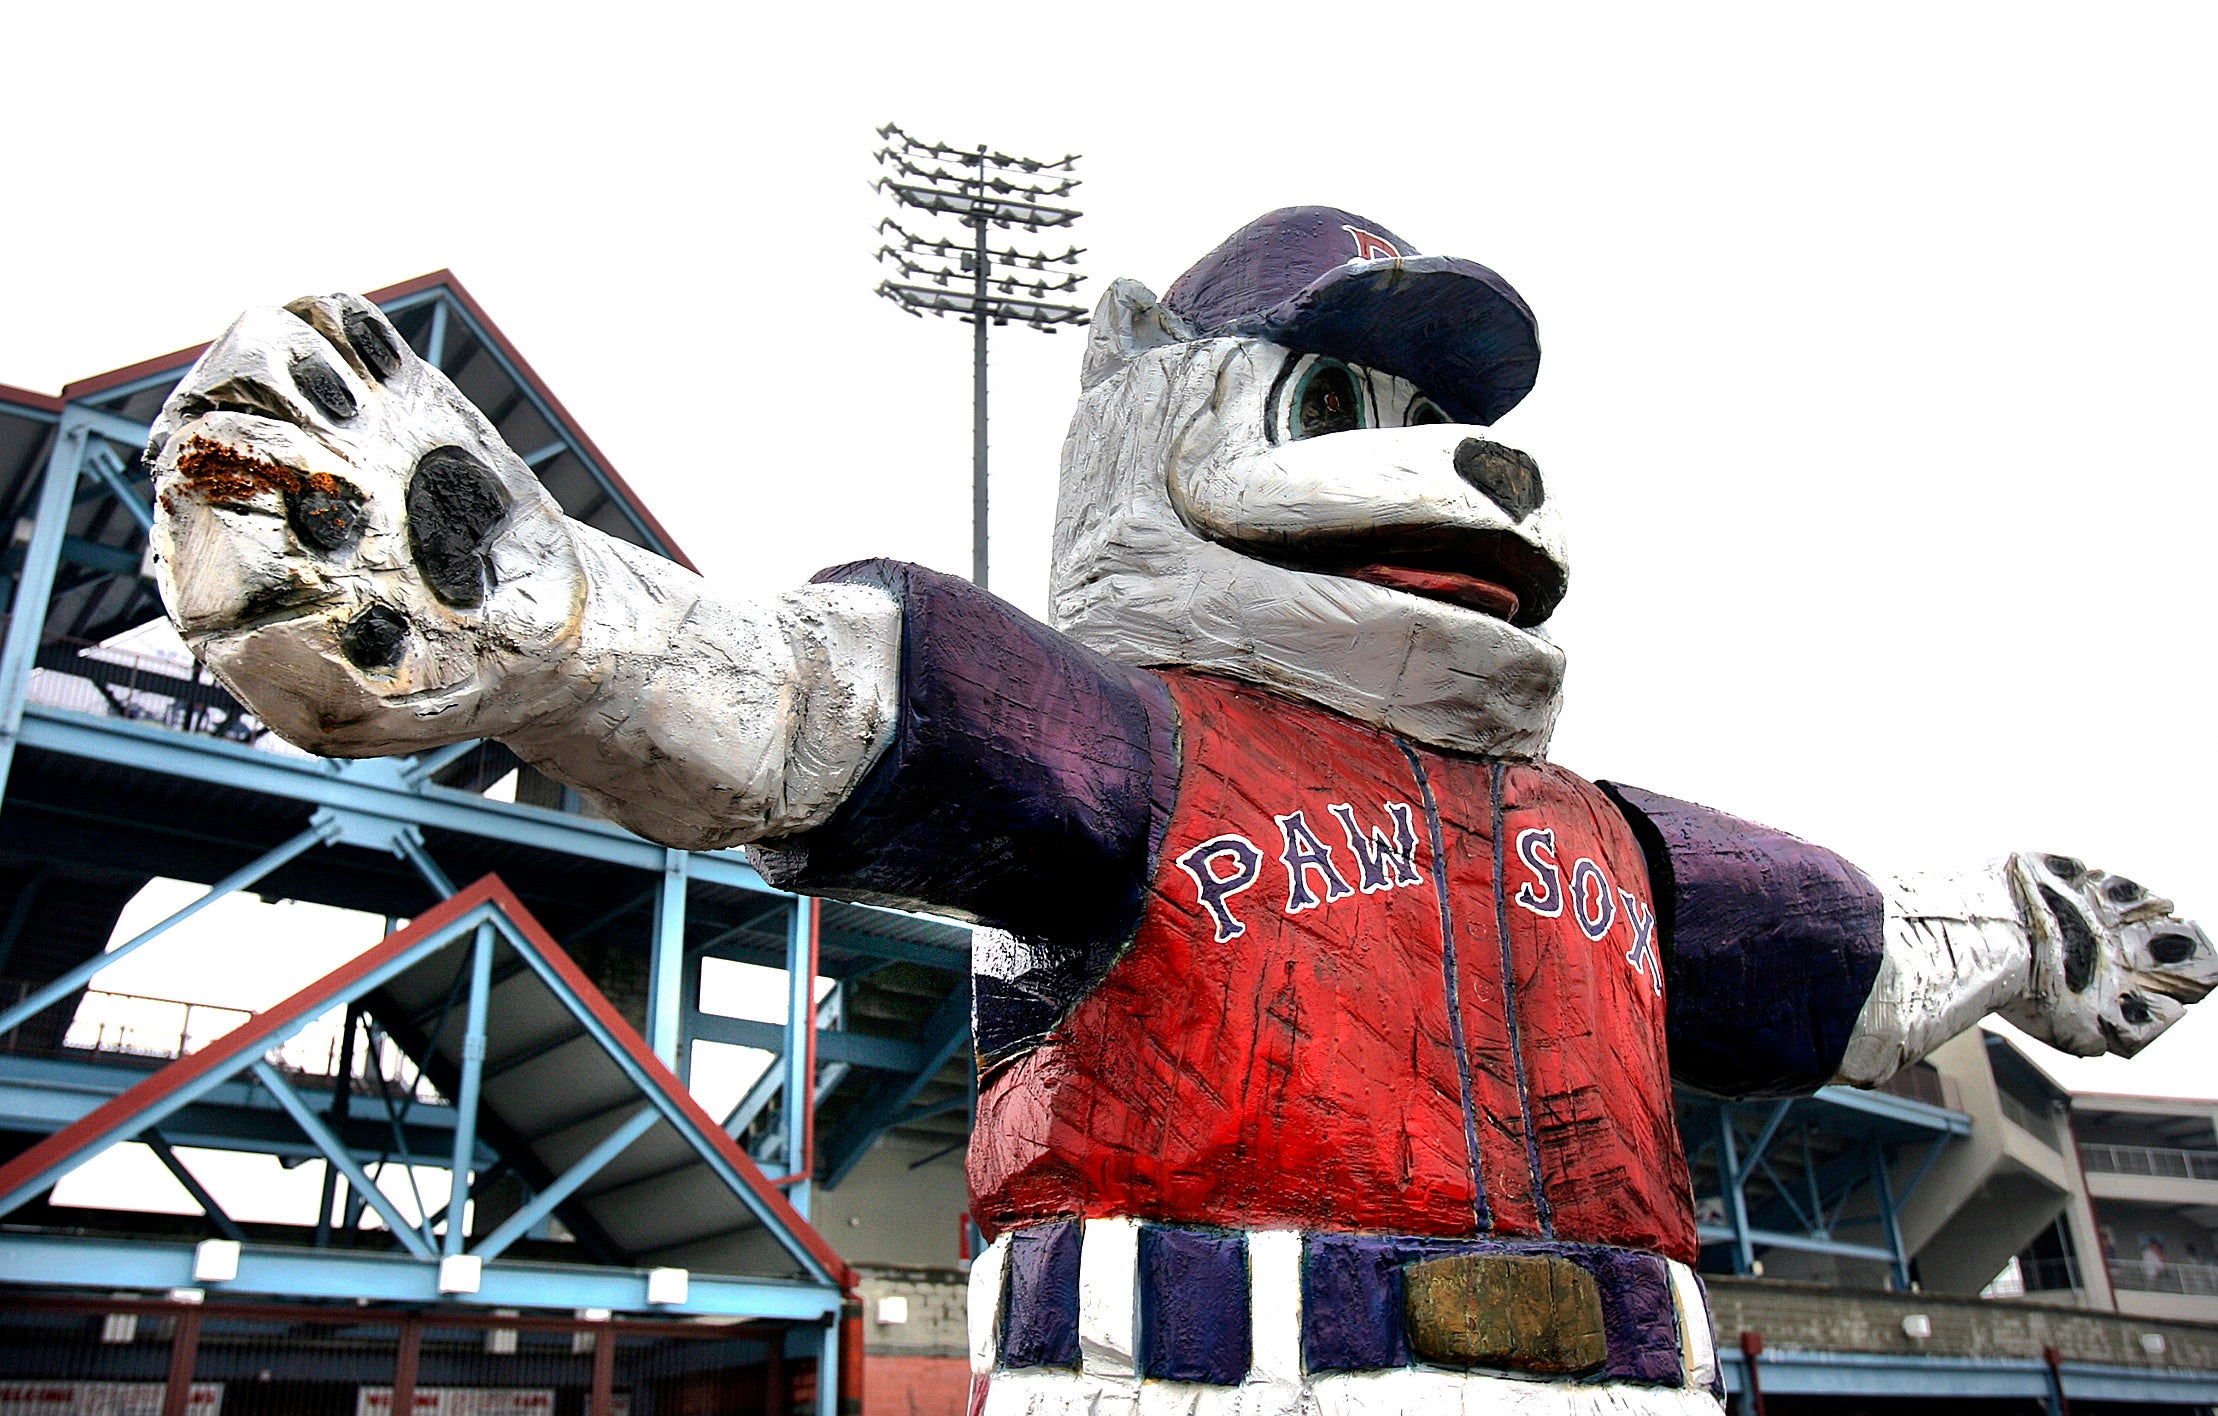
(1879,337)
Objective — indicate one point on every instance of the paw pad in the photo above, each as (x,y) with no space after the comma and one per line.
(324,388)
(325,512)
(2080,949)
(376,638)
(455,507)
(367,334)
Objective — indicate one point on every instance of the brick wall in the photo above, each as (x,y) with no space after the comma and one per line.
(920,1367)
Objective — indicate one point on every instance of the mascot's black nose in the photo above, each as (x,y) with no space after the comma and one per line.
(1510,479)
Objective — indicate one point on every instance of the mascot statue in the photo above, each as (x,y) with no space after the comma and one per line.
(1326,1030)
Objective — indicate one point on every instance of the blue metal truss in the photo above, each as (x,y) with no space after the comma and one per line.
(1795,1173)
(476,922)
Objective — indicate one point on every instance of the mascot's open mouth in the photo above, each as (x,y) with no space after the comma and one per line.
(1453,586)
(1491,571)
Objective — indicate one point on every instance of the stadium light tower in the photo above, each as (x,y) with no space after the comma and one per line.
(971,278)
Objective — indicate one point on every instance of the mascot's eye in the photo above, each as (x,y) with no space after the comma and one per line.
(1422,412)
(1327,401)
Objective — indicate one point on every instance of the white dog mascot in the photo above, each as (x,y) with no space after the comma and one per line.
(1326,1029)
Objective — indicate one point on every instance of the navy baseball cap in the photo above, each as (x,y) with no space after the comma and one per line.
(1326,281)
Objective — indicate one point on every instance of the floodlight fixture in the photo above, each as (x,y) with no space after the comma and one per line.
(972,278)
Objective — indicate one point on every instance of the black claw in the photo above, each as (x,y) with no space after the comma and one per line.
(2123,891)
(2065,868)
(2079,941)
(376,638)
(326,389)
(2172,948)
(370,340)
(2134,1009)
(326,514)
(455,507)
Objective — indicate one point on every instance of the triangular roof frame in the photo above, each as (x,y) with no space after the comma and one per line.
(471,919)
(443,282)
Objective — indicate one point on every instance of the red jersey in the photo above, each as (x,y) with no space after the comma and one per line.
(1374,986)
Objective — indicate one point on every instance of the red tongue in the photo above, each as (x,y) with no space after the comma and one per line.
(1467,590)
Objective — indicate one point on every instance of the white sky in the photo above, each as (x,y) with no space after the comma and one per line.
(1878,337)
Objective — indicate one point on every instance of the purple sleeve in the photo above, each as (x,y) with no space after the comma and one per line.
(1026,787)
(1770,946)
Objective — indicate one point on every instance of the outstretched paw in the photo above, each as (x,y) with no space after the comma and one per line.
(346,541)
(2113,966)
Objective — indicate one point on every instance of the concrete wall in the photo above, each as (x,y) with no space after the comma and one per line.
(887,1213)
(1990,1194)
(1807,1317)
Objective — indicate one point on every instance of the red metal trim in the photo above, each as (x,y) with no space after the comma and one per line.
(184,1350)
(851,1358)
(1752,1348)
(44,402)
(252,1038)
(131,373)
(407,1355)
(604,1370)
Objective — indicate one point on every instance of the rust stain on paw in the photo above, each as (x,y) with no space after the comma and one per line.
(216,472)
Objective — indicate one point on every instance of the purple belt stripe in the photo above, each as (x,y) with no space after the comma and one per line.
(1193,1305)
(1040,1304)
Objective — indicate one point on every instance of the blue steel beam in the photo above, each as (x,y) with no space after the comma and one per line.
(827,1372)
(106,1265)
(1805,1243)
(517,1225)
(371,786)
(339,1155)
(466,1093)
(1934,1377)
(34,584)
(666,998)
(209,1206)
(883,1054)
(54,992)
(411,847)
(109,468)
(799,1053)
(435,339)
(942,1036)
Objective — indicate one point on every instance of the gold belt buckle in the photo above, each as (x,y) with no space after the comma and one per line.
(1527,1313)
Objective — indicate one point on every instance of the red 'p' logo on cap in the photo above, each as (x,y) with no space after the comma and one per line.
(1370,246)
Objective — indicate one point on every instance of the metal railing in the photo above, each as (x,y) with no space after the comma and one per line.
(1920,1081)
(170,691)
(2157,1276)
(136,1025)
(2036,1124)
(2157,1162)
(2023,1275)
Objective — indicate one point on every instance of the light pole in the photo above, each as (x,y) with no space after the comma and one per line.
(971,278)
